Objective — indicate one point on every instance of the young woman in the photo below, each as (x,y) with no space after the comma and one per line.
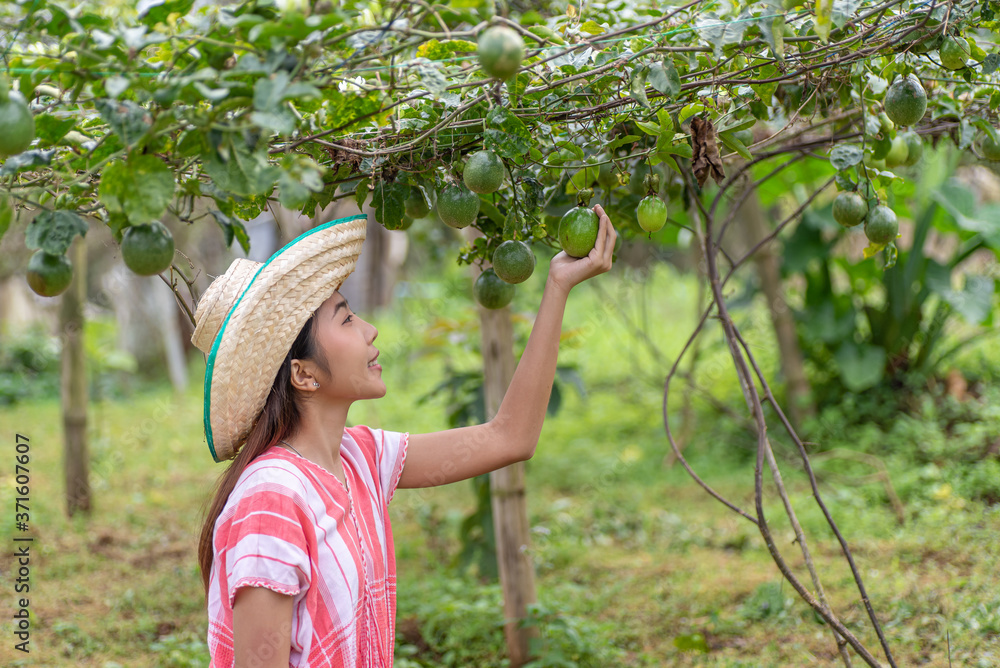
(296,551)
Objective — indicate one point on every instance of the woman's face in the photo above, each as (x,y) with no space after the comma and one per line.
(346,341)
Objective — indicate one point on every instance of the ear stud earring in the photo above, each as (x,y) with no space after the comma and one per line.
(315,384)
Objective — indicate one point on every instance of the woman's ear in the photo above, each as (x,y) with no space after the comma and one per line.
(302,375)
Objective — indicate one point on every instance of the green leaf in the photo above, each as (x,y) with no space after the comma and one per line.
(637,86)
(26,161)
(126,118)
(6,216)
(139,188)
(860,366)
(824,11)
(361,192)
(232,228)
(388,200)
(975,301)
(50,129)
(664,78)
(845,155)
(773,30)
(591,27)
(621,141)
(297,182)
(988,128)
(649,128)
(506,135)
(151,12)
(53,231)
(843,11)
(734,144)
(990,63)
(237,169)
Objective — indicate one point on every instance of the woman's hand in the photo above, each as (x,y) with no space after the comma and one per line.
(566,272)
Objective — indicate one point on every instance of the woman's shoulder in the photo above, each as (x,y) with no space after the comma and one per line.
(275,468)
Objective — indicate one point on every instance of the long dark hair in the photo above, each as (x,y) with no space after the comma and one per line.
(279,419)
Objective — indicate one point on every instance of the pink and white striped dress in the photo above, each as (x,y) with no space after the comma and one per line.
(288,526)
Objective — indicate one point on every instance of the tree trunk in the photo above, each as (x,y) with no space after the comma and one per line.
(750,219)
(74,386)
(507,489)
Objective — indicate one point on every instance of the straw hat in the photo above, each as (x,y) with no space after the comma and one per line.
(249,317)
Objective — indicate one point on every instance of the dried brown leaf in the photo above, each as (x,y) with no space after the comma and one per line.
(705,159)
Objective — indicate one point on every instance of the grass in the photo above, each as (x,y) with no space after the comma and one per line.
(636,566)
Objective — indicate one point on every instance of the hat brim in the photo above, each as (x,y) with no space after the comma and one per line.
(265,320)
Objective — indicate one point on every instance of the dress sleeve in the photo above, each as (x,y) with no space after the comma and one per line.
(390,453)
(267,544)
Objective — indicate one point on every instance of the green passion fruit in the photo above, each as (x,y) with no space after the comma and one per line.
(416,204)
(905,101)
(898,152)
(513,261)
(17,125)
(501,51)
(881,226)
(49,275)
(652,213)
(147,249)
(483,172)
(457,206)
(578,231)
(954,51)
(492,292)
(914,148)
(849,209)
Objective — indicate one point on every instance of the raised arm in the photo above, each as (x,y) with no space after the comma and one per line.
(447,456)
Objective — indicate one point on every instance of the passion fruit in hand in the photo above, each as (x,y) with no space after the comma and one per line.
(483,173)
(49,275)
(492,292)
(652,213)
(513,261)
(881,227)
(147,249)
(501,51)
(849,209)
(17,125)
(578,231)
(457,206)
